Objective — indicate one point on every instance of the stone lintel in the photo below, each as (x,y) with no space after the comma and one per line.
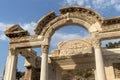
(28,53)
(28,44)
(26,39)
(108,35)
(30,57)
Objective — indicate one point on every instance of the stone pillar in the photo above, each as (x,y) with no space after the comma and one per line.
(11,65)
(44,63)
(95,75)
(100,70)
(58,74)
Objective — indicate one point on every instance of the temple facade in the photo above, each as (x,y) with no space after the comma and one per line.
(79,59)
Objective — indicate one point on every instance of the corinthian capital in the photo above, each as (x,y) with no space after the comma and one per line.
(45,48)
(96,43)
(13,51)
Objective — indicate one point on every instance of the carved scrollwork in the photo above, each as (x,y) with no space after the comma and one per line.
(13,51)
(96,43)
(74,47)
(45,49)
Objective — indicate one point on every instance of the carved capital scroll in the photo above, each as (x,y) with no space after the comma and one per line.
(96,43)
(13,51)
(45,49)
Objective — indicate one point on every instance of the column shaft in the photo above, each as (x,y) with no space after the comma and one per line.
(58,74)
(44,63)
(11,66)
(100,70)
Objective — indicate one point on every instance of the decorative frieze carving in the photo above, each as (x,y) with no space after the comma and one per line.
(75,18)
(85,14)
(112,27)
(82,16)
(75,47)
(111,24)
(110,21)
(15,31)
(107,35)
(26,39)
(46,19)
(79,9)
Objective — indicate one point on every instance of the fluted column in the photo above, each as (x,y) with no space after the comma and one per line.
(11,65)
(44,63)
(100,70)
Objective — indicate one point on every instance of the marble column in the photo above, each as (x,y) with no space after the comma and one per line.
(11,65)
(100,70)
(44,63)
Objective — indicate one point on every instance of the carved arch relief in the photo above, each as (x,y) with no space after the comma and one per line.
(75,47)
(74,15)
(99,27)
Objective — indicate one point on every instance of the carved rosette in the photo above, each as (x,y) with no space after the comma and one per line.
(45,49)
(96,43)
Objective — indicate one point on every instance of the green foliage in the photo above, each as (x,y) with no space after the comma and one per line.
(113,45)
(84,73)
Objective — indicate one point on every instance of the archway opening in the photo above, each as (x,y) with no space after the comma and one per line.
(68,33)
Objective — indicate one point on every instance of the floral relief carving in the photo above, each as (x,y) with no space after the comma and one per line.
(74,47)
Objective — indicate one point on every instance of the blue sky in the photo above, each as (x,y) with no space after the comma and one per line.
(28,12)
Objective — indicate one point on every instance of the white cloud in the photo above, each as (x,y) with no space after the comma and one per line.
(2,29)
(2,26)
(3,37)
(117,7)
(27,26)
(95,4)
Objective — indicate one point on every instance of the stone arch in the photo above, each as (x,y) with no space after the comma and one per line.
(73,15)
(21,40)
